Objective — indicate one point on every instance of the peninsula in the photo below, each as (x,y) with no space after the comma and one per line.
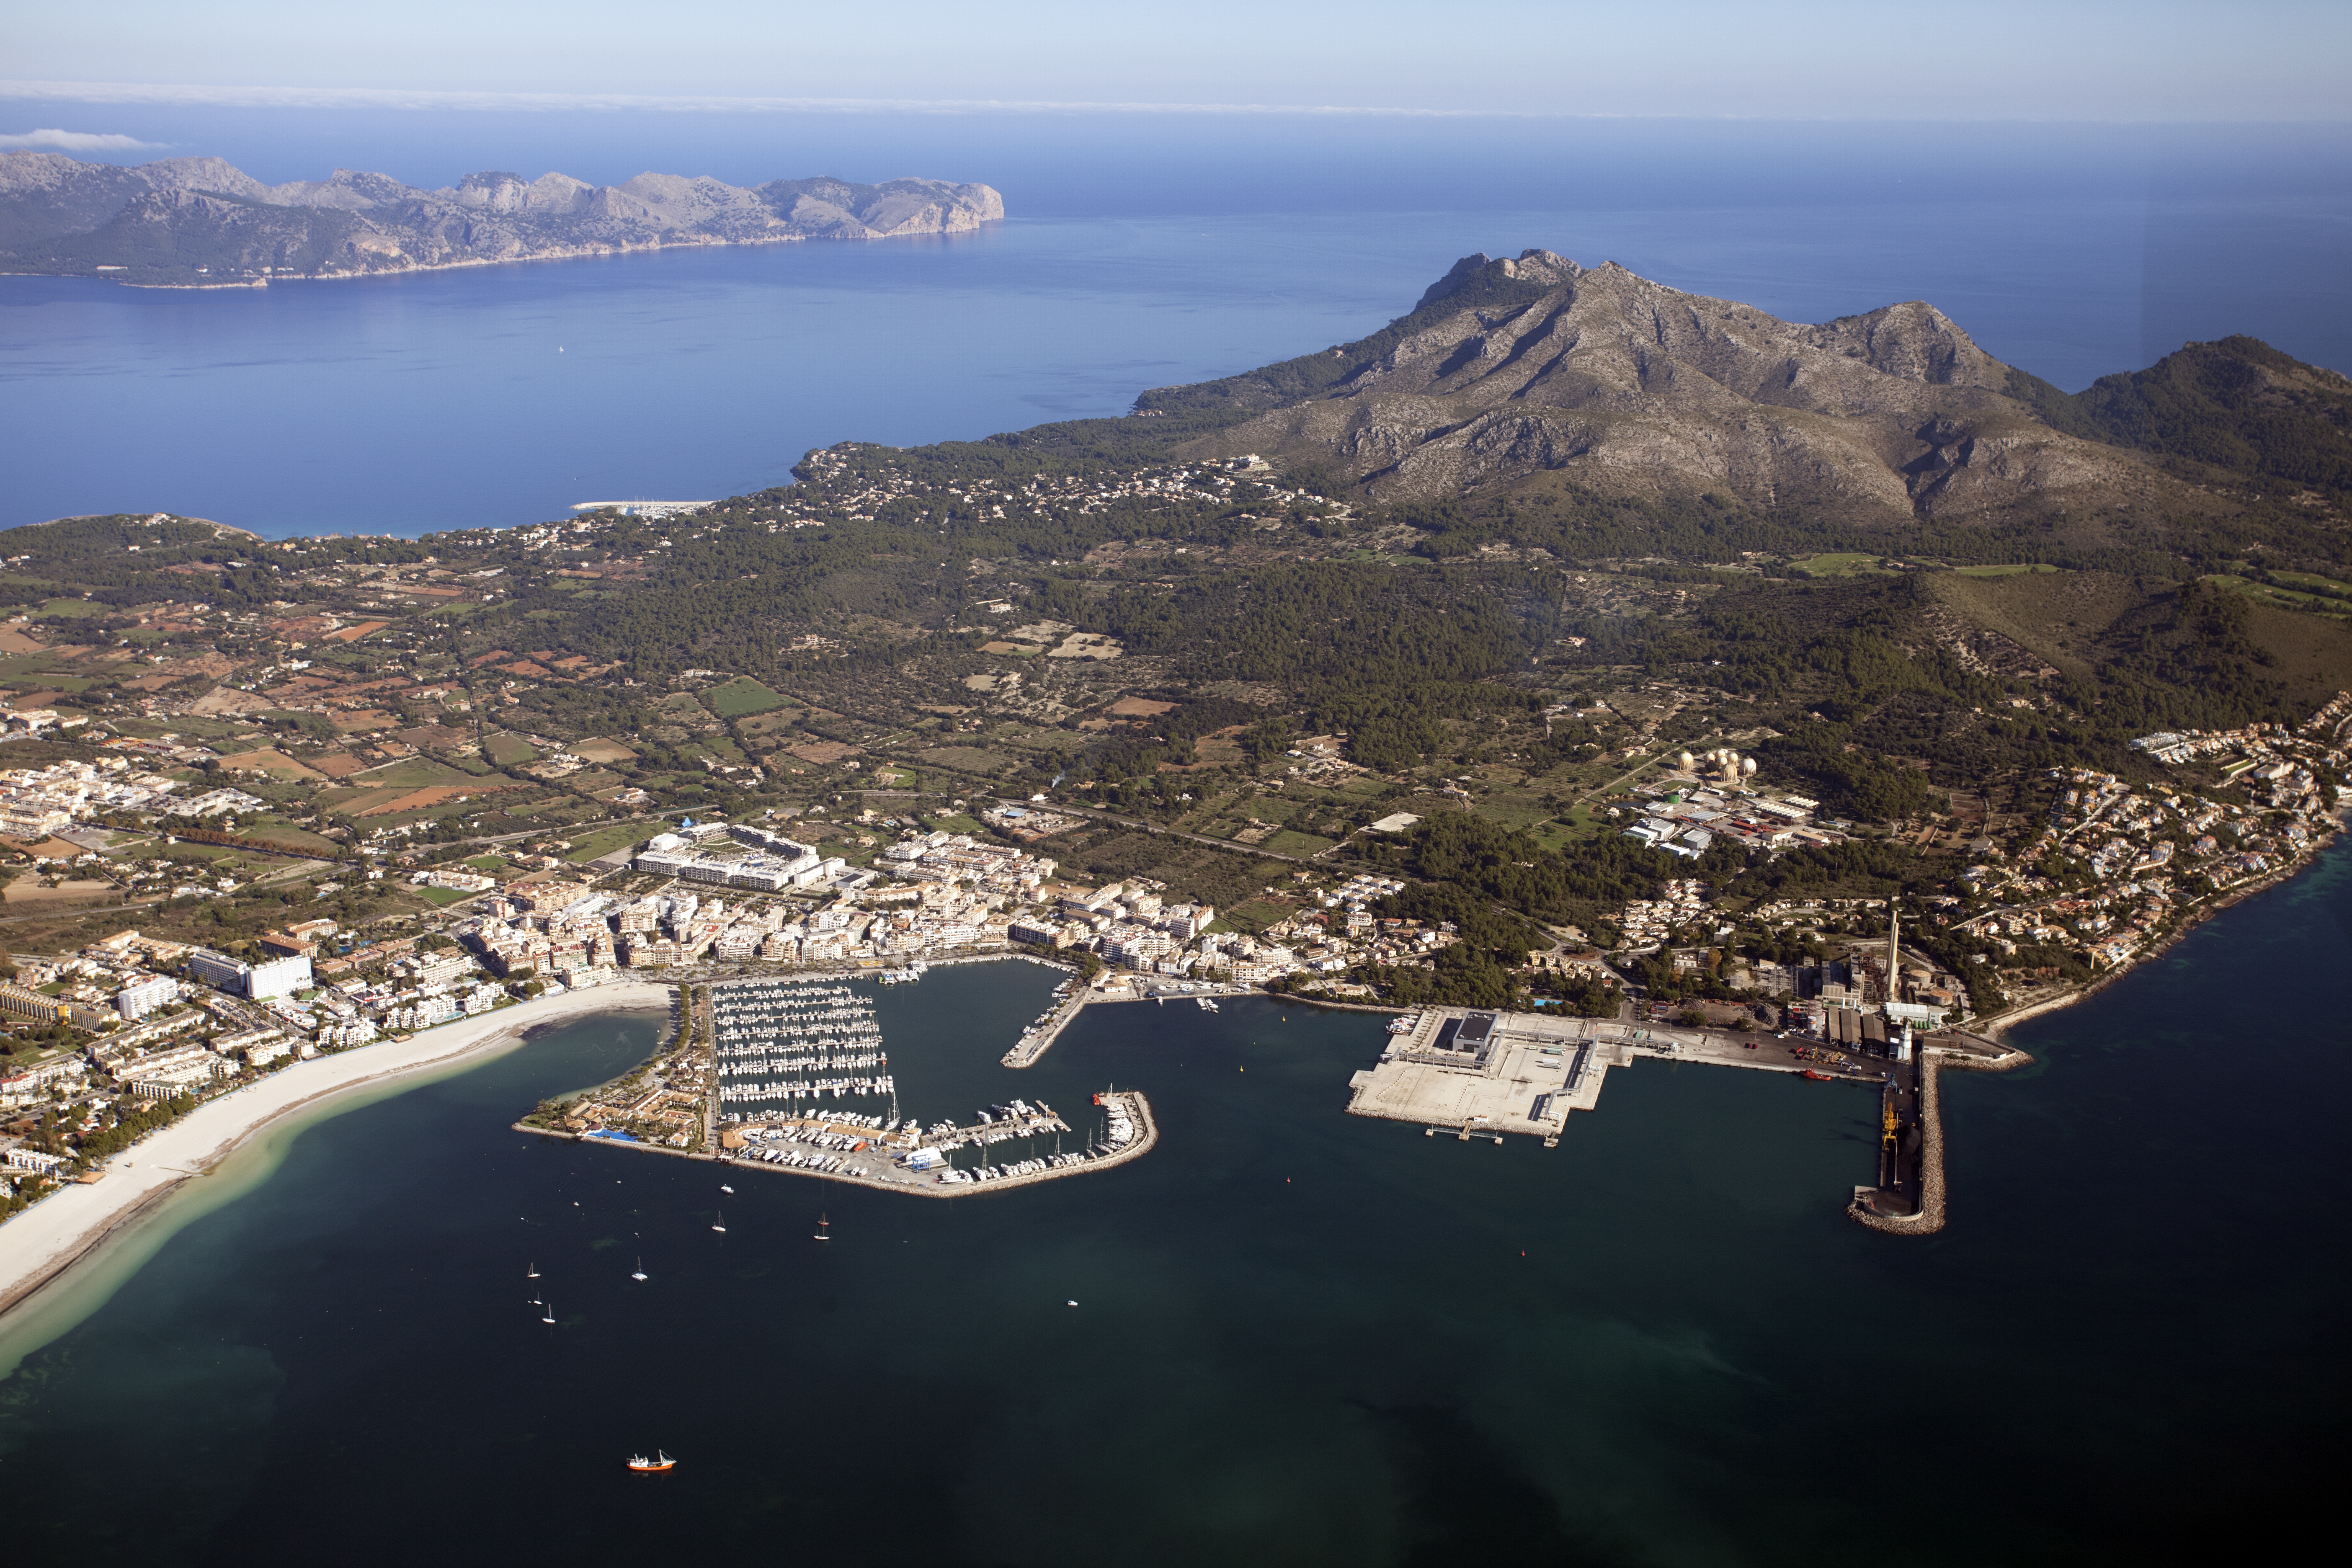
(1571,647)
(202,223)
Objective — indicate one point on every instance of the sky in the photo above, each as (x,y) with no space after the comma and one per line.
(2128,60)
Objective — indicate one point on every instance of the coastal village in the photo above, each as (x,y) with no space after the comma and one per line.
(295,806)
(110,1039)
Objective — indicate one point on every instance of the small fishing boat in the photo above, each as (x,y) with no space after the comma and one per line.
(727,1190)
(824,1226)
(721,1226)
(655,1466)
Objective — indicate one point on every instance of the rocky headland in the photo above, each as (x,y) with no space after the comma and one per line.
(203,222)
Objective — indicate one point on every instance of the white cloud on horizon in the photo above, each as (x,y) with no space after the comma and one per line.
(2132,61)
(202,97)
(78,142)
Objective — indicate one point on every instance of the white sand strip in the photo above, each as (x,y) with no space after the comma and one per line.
(42,1243)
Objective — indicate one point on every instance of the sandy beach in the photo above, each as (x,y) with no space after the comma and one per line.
(42,1243)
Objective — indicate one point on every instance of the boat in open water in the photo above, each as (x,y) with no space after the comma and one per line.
(655,1466)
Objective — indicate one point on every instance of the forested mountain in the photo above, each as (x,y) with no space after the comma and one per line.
(1916,588)
(2236,408)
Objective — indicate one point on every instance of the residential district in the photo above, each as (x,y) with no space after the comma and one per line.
(108,1041)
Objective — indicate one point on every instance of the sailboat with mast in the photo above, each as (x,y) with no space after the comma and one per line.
(721,1226)
(640,1275)
(823,1228)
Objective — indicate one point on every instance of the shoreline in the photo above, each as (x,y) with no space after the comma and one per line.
(583,253)
(1999,1024)
(79,1224)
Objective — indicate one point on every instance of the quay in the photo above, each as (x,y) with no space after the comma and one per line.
(1039,1037)
(919,1165)
(859,1156)
(1475,1074)
(1480,1074)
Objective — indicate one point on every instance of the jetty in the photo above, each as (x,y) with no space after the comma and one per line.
(1070,999)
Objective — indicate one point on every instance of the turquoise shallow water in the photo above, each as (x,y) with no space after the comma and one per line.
(1301,1337)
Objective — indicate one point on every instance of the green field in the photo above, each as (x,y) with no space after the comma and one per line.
(2316,581)
(2285,598)
(73,608)
(2004,571)
(741,697)
(604,840)
(506,751)
(1288,842)
(293,837)
(409,772)
(444,896)
(1836,565)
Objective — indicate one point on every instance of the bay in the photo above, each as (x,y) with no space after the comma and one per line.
(1143,252)
(1299,1337)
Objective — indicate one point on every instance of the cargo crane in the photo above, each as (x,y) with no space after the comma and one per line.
(1892,1170)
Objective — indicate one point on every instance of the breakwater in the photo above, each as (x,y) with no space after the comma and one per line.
(1931,1212)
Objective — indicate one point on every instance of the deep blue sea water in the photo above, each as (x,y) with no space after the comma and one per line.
(1141,251)
(1301,1337)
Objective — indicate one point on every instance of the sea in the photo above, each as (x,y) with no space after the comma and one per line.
(1141,250)
(1284,1336)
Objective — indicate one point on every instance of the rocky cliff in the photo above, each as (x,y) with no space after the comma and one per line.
(197,221)
(1520,367)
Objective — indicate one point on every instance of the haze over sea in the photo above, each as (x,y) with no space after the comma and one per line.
(1143,250)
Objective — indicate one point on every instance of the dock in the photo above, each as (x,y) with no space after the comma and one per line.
(923,1165)
(1038,1038)
(859,1156)
(1482,1074)
(1478,1074)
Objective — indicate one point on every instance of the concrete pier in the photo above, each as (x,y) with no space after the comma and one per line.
(1479,1073)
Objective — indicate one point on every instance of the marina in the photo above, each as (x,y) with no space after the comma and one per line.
(800,1084)
(786,1041)
(924,1161)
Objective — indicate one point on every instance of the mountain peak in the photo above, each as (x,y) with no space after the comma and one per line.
(1484,273)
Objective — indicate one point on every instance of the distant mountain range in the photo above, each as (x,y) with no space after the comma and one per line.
(1509,371)
(201,222)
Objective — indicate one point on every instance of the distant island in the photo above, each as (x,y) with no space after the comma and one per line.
(203,223)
